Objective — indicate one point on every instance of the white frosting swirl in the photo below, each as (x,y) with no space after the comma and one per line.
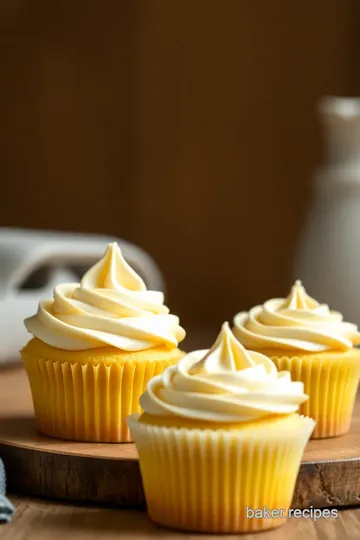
(110,306)
(224,384)
(297,322)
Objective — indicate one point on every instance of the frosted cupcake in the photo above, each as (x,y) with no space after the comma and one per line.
(96,345)
(220,436)
(316,346)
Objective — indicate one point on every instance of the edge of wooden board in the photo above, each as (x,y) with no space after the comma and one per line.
(117,482)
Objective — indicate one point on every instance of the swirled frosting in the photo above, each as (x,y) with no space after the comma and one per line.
(297,322)
(223,384)
(110,306)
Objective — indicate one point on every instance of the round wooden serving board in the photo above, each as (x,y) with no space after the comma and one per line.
(109,473)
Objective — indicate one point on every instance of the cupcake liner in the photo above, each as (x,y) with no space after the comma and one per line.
(85,401)
(210,480)
(331,382)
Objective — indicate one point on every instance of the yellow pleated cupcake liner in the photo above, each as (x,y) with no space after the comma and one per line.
(209,480)
(88,401)
(331,382)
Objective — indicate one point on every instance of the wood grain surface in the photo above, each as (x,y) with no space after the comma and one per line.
(109,473)
(40,520)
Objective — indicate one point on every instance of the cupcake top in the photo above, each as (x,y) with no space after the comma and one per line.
(297,322)
(225,384)
(109,307)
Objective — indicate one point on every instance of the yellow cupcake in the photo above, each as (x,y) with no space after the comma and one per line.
(96,345)
(220,440)
(316,346)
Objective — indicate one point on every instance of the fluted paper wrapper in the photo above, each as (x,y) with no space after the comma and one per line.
(331,382)
(87,402)
(205,480)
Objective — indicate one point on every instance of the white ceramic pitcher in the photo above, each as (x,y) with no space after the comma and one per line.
(328,258)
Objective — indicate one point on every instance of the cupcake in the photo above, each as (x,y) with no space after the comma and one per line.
(316,346)
(220,441)
(96,344)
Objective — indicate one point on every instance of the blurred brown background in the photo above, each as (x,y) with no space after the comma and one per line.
(186,126)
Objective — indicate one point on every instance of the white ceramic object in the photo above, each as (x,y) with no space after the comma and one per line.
(25,252)
(328,258)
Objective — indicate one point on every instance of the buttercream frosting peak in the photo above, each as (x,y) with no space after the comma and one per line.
(112,272)
(297,322)
(299,299)
(109,307)
(226,355)
(223,384)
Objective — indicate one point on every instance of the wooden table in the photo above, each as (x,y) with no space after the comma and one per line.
(37,519)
